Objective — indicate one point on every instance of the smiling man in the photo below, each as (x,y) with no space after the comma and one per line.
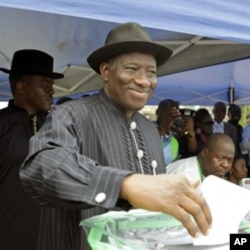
(128,81)
(31,80)
(98,153)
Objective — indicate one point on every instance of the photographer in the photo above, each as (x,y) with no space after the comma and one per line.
(167,114)
(186,131)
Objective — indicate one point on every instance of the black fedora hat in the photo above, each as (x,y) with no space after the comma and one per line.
(32,62)
(124,38)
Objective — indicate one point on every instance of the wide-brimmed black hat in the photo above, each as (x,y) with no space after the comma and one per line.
(32,62)
(124,38)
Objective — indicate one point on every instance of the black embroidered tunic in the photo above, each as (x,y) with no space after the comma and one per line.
(78,161)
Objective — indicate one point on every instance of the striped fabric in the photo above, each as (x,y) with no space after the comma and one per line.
(84,148)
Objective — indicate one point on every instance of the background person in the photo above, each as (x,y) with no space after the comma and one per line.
(203,128)
(187,140)
(245,145)
(167,113)
(248,119)
(238,170)
(234,116)
(31,80)
(219,126)
(215,158)
(98,153)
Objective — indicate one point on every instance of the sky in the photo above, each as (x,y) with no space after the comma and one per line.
(3,104)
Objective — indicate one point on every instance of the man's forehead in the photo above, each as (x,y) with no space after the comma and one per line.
(34,77)
(136,54)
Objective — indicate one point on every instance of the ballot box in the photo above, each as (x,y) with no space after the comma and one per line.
(144,230)
(147,230)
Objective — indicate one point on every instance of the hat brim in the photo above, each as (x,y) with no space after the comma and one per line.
(161,53)
(52,75)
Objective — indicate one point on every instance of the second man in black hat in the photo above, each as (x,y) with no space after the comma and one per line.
(31,80)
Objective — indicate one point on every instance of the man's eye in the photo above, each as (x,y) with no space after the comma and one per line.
(151,73)
(131,68)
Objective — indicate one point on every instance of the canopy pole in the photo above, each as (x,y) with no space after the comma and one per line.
(231,92)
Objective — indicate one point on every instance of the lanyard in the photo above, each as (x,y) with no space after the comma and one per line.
(200,170)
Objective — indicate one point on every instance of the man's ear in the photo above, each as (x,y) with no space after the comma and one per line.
(104,70)
(204,153)
(20,88)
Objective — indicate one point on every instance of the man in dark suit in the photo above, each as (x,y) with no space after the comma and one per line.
(219,126)
(31,80)
(234,116)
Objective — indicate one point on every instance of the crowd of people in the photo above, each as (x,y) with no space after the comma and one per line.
(64,163)
(193,130)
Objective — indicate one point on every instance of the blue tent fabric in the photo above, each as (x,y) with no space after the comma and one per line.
(193,16)
(210,40)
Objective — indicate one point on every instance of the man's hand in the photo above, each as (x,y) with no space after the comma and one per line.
(168,119)
(170,194)
(189,123)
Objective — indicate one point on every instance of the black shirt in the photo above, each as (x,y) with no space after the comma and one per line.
(19,215)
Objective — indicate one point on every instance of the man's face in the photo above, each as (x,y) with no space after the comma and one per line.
(239,170)
(235,114)
(219,112)
(130,80)
(206,125)
(38,92)
(218,161)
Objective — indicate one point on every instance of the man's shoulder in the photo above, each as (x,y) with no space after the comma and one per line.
(78,104)
(177,165)
(230,126)
(3,111)
(7,112)
(9,118)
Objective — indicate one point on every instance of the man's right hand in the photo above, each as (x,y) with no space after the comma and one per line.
(170,194)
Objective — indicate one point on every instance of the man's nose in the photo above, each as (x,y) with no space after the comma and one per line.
(142,79)
(50,90)
(226,163)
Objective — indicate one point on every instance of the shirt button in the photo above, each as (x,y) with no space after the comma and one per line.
(154,164)
(133,125)
(100,198)
(140,154)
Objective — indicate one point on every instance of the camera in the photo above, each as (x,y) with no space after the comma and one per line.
(187,113)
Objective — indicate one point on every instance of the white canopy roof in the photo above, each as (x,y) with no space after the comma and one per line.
(201,33)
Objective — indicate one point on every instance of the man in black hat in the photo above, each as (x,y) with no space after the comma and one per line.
(99,153)
(31,80)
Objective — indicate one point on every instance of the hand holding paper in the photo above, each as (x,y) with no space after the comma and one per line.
(228,203)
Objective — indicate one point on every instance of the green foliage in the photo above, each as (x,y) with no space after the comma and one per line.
(245,110)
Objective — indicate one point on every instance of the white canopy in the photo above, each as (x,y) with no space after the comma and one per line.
(201,33)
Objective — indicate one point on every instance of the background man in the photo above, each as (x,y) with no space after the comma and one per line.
(234,116)
(219,126)
(31,80)
(215,158)
(167,113)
